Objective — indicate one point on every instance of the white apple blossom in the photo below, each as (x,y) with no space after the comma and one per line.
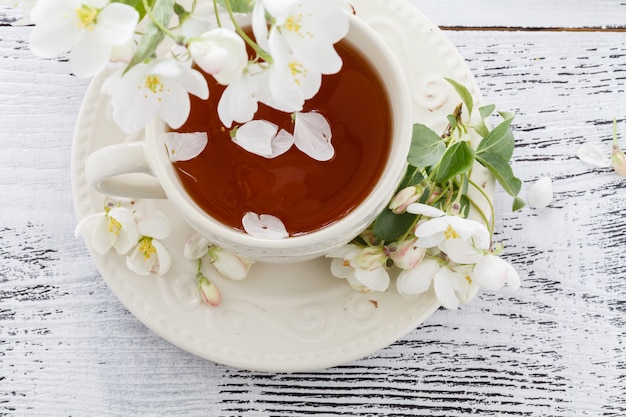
(418,279)
(226,263)
(221,53)
(115,228)
(301,43)
(185,146)
(308,28)
(462,240)
(89,28)
(150,255)
(264,226)
(160,87)
(363,268)
(492,273)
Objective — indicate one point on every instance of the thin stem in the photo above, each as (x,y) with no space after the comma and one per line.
(156,22)
(217,15)
(257,49)
(492,223)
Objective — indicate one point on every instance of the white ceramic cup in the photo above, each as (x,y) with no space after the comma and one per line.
(143,170)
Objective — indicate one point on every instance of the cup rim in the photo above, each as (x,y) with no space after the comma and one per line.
(351,224)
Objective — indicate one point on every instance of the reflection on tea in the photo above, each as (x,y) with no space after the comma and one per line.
(226,181)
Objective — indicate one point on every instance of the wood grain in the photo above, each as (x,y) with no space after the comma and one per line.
(556,347)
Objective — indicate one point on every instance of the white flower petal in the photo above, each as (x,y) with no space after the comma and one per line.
(116,23)
(154,224)
(424,210)
(591,154)
(163,259)
(196,247)
(185,146)
(340,268)
(101,239)
(461,251)
(239,101)
(175,106)
(540,194)
(444,288)
(256,137)
(264,226)
(90,55)
(221,53)
(281,143)
(259,25)
(492,273)
(417,280)
(373,280)
(312,135)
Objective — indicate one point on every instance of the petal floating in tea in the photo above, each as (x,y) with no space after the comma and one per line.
(312,135)
(185,146)
(264,226)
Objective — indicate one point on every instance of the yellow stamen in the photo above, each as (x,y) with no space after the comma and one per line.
(297,69)
(450,233)
(146,248)
(86,17)
(154,84)
(293,23)
(468,279)
(114,226)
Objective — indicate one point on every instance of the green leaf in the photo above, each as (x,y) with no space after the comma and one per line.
(162,12)
(427,147)
(518,204)
(464,93)
(499,141)
(238,6)
(457,159)
(413,176)
(502,171)
(389,226)
(506,115)
(486,111)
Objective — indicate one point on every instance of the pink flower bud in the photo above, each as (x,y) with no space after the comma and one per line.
(407,255)
(618,160)
(370,258)
(209,292)
(228,264)
(404,198)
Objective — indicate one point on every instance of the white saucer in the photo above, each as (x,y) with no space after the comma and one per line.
(282,318)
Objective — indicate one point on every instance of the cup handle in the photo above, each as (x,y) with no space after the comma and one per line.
(122,170)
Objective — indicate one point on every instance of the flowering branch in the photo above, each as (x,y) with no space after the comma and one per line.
(424,234)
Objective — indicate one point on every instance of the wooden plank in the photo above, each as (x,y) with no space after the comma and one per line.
(524,14)
(556,347)
(493,13)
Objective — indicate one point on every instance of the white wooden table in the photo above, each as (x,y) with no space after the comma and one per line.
(557,347)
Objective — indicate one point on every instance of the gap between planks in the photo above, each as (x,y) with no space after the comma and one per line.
(609,29)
